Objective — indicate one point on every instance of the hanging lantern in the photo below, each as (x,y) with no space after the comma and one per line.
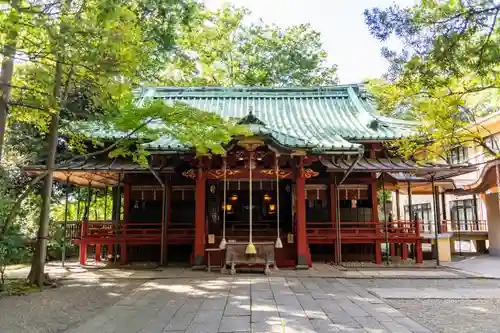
(272,208)
(234,197)
(267,197)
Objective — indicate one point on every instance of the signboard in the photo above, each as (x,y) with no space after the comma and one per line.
(211,239)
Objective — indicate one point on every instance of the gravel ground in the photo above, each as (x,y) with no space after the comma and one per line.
(55,310)
(445,315)
(427,283)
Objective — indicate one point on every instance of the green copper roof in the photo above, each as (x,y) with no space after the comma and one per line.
(325,118)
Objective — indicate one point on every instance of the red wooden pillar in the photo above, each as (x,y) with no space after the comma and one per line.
(378,248)
(404,251)
(333,216)
(303,255)
(83,243)
(199,220)
(373,189)
(167,214)
(127,196)
(98,253)
(123,252)
(378,252)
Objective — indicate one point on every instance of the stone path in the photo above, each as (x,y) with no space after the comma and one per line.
(250,304)
(73,271)
(480,266)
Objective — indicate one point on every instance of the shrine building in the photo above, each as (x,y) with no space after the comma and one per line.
(304,182)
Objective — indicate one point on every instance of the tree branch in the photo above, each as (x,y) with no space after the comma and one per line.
(40,176)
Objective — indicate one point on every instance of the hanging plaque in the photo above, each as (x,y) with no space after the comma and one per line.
(290,238)
(211,239)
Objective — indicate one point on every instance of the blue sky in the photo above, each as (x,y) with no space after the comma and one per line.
(341,23)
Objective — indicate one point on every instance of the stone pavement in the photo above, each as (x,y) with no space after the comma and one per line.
(74,271)
(481,266)
(250,304)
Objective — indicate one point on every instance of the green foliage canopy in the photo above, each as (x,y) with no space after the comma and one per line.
(447,75)
(219,48)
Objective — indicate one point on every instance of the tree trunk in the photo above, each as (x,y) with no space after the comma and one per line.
(37,273)
(9,52)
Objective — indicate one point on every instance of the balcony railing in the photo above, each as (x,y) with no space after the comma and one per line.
(464,226)
(455,226)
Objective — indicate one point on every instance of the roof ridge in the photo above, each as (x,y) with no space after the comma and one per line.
(227,91)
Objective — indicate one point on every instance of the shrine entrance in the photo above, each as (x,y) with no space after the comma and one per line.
(235,210)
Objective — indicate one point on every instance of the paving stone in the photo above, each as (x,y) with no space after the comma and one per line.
(322,325)
(343,319)
(213,304)
(329,306)
(286,311)
(395,327)
(412,325)
(180,322)
(371,325)
(302,325)
(308,303)
(190,306)
(208,316)
(296,286)
(287,300)
(388,310)
(160,321)
(264,316)
(235,324)
(237,308)
(310,284)
(203,328)
(267,327)
(376,313)
(318,295)
(352,309)
(262,294)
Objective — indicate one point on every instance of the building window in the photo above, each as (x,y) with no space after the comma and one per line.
(459,155)
(463,212)
(493,142)
(423,212)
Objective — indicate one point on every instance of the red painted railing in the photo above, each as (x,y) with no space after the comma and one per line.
(103,232)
